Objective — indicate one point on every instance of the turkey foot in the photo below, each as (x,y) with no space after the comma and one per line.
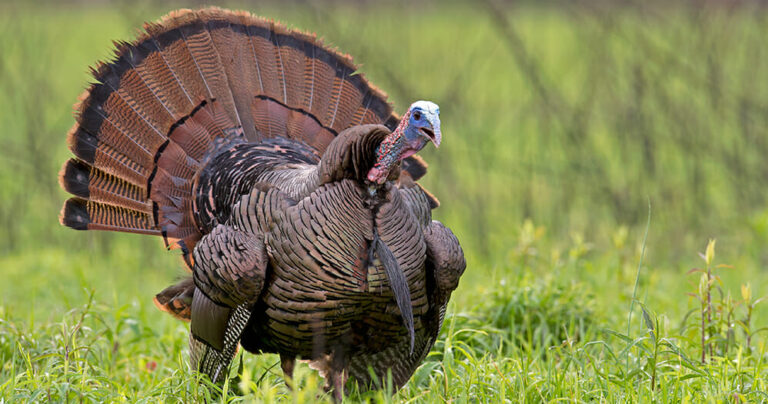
(287,363)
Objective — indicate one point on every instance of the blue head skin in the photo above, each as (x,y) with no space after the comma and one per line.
(419,126)
(423,127)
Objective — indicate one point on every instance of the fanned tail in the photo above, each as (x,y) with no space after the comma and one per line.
(193,80)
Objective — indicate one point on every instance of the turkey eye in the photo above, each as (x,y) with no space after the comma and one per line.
(417,115)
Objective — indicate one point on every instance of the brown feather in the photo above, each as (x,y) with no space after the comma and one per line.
(85,181)
(232,42)
(210,66)
(81,214)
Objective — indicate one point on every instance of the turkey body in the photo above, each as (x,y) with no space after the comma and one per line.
(324,289)
(248,147)
(340,297)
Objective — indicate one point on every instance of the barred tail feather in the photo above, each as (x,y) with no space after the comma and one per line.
(87,182)
(81,214)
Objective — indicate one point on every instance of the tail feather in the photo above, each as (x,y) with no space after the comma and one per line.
(134,169)
(266,62)
(176,55)
(207,59)
(145,127)
(275,119)
(324,74)
(195,134)
(176,162)
(348,101)
(83,214)
(119,124)
(161,80)
(142,101)
(292,62)
(231,43)
(84,181)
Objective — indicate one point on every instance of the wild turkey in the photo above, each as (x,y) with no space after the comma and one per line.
(287,182)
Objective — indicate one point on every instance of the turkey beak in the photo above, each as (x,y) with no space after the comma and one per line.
(433,132)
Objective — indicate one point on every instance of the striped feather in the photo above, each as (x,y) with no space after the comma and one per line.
(84,181)
(81,214)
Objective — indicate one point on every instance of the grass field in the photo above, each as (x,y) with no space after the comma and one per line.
(570,130)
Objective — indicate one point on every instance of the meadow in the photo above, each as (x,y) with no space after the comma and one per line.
(592,153)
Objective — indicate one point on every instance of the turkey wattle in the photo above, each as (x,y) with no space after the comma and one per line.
(287,182)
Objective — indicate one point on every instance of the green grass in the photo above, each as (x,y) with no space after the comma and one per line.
(560,123)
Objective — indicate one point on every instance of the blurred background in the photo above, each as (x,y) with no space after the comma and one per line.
(562,122)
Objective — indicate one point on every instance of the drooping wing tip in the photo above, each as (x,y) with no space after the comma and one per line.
(168,302)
